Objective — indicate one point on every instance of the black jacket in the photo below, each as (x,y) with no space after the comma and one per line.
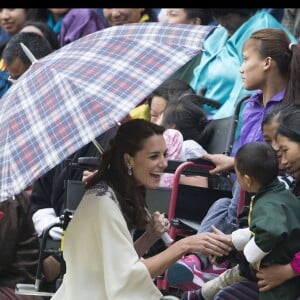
(48,191)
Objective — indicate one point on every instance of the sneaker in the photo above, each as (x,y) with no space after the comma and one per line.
(217,269)
(230,276)
(186,273)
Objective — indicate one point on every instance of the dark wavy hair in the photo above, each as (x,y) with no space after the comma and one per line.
(130,138)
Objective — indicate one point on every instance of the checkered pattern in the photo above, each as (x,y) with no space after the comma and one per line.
(78,92)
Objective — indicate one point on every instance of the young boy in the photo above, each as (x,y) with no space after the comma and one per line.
(274,223)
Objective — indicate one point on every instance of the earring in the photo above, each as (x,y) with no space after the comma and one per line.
(129,170)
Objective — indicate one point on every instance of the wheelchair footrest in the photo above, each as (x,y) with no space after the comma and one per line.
(185,225)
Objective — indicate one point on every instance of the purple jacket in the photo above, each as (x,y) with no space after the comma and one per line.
(77,23)
(252,116)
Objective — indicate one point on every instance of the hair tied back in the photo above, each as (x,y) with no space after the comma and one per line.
(291,45)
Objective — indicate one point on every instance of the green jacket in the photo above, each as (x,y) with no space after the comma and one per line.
(275,223)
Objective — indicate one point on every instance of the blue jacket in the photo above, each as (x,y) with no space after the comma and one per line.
(219,68)
(4,83)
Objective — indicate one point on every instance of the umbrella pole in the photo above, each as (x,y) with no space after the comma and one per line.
(66,217)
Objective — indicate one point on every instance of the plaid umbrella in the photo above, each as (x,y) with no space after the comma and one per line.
(76,93)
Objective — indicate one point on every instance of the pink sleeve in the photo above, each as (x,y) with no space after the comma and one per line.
(295,263)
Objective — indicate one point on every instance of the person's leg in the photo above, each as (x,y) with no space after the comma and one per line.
(227,278)
(245,290)
(222,214)
(216,215)
(192,271)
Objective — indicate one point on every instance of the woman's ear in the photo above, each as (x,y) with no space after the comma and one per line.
(127,159)
(268,62)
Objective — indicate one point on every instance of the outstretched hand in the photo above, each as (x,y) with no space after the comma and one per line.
(221,161)
(213,258)
(158,224)
(209,243)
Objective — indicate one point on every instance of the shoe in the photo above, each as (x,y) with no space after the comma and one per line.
(186,273)
(230,276)
(217,269)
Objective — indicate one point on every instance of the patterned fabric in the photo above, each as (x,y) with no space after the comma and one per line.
(109,265)
(174,140)
(246,290)
(76,93)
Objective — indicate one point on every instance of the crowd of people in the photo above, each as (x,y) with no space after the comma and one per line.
(250,52)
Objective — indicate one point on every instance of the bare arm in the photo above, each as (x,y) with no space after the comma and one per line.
(207,243)
(222,162)
(158,225)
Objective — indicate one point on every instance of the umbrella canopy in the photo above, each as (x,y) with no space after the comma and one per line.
(76,93)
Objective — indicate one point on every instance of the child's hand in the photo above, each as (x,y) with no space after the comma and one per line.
(218,231)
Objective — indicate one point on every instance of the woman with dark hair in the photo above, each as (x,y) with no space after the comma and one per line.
(274,275)
(195,16)
(270,66)
(218,72)
(12,19)
(99,250)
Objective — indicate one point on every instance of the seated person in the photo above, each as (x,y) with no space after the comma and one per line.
(157,101)
(218,73)
(190,272)
(19,251)
(274,223)
(184,116)
(49,194)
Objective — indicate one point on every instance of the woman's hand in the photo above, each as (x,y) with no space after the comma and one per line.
(209,244)
(87,175)
(221,161)
(157,225)
(218,231)
(213,258)
(274,275)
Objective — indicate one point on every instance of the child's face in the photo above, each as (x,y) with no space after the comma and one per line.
(269,132)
